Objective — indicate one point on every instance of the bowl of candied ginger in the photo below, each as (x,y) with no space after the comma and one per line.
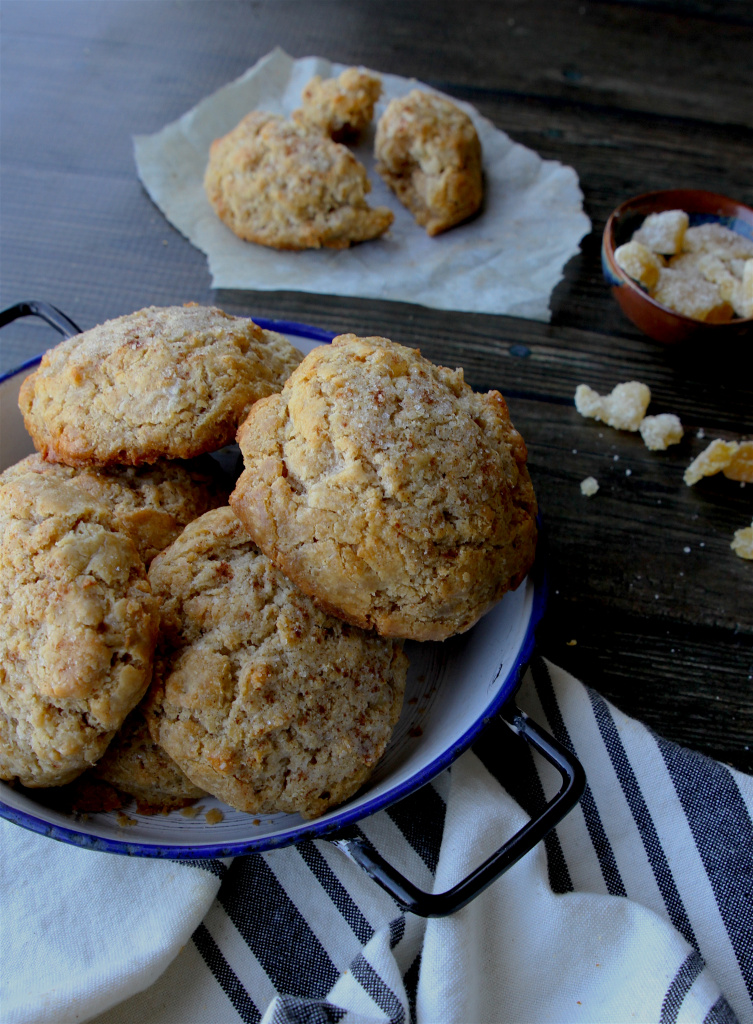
(680,265)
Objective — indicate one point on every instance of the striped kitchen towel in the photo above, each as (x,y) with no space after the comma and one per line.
(639,907)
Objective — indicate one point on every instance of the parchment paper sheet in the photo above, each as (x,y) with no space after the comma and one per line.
(507,260)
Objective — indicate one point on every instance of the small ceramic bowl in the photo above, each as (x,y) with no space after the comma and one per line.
(651,317)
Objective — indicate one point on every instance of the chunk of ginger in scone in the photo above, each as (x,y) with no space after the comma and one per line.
(623,408)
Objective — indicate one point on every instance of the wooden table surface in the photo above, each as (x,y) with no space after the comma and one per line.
(649,605)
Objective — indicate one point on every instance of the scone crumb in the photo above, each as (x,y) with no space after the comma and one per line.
(214,816)
(742,542)
(125,821)
(623,408)
(589,486)
(659,432)
(191,812)
(713,459)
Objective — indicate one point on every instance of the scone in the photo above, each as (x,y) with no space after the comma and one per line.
(283,185)
(341,107)
(387,490)
(163,383)
(151,503)
(429,154)
(136,765)
(78,624)
(259,697)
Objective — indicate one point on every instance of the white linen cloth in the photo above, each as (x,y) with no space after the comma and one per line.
(507,260)
(638,907)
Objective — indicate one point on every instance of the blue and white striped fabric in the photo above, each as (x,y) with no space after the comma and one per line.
(638,908)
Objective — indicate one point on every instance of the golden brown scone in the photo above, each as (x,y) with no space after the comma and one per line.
(283,185)
(163,383)
(135,764)
(340,107)
(388,490)
(78,625)
(260,698)
(429,154)
(151,503)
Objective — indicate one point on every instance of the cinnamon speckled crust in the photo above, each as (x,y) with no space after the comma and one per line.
(341,107)
(261,698)
(429,154)
(78,625)
(135,764)
(164,382)
(152,503)
(287,186)
(387,490)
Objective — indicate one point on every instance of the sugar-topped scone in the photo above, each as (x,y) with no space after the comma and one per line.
(282,184)
(341,107)
(136,765)
(78,624)
(152,503)
(163,383)
(261,698)
(429,154)
(388,490)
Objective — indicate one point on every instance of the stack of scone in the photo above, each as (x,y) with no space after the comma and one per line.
(292,184)
(170,644)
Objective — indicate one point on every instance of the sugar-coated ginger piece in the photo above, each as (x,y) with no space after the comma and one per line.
(742,299)
(714,237)
(623,408)
(663,232)
(742,542)
(692,296)
(341,107)
(659,432)
(639,263)
(713,459)
(740,466)
(589,486)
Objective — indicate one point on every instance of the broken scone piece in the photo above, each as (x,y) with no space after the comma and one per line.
(341,107)
(287,186)
(429,154)
(742,542)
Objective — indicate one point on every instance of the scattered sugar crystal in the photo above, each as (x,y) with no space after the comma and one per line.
(740,465)
(691,295)
(663,232)
(713,459)
(686,549)
(628,472)
(589,486)
(742,542)
(639,262)
(659,432)
(623,408)
(701,433)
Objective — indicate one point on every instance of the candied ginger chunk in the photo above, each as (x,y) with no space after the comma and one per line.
(663,232)
(623,408)
(714,237)
(692,296)
(659,432)
(743,296)
(742,542)
(713,459)
(589,486)
(639,263)
(740,466)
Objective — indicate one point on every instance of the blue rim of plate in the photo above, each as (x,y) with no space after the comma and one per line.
(348,815)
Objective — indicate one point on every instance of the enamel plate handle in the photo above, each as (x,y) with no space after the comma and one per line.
(425,904)
(50,314)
